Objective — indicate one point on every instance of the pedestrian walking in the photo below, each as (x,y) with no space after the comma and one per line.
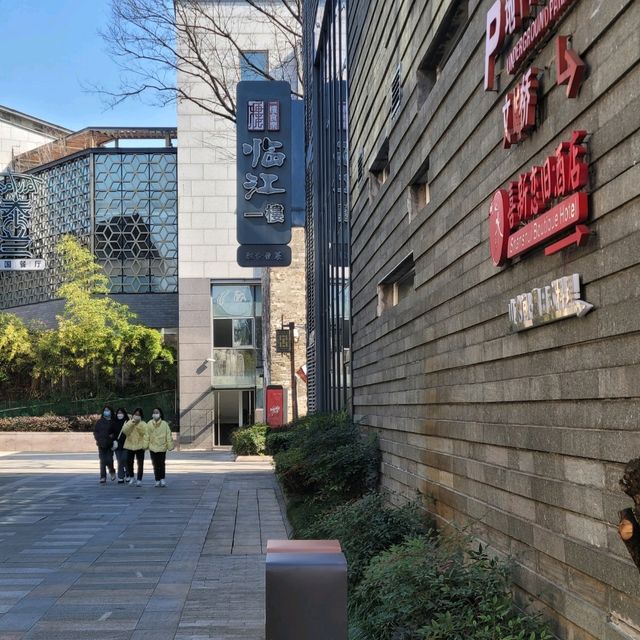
(122,454)
(159,442)
(135,444)
(105,434)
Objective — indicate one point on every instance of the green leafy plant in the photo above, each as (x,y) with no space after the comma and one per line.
(49,423)
(366,527)
(327,460)
(431,589)
(250,441)
(278,440)
(96,348)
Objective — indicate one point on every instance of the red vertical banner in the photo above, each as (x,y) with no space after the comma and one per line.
(275,408)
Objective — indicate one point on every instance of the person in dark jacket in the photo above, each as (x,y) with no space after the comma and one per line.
(121,453)
(105,434)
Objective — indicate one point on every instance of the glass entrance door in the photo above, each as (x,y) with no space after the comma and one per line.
(233,408)
(247,407)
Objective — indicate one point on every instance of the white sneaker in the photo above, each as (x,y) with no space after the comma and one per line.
(157,483)
(131,482)
(162,483)
(113,476)
(138,483)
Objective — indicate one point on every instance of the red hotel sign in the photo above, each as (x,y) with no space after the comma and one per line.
(528,213)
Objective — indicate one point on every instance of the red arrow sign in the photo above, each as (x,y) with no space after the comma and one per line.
(569,67)
(579,237)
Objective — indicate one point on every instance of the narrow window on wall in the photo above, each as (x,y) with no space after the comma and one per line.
(254,65)
(446,38)
(380,167)
(419,195)
(397,285)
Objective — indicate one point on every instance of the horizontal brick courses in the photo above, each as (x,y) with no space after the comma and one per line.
(522,437)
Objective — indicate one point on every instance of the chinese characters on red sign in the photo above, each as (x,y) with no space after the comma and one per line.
(505,17)
(531,210)
(524,200)
(519,110)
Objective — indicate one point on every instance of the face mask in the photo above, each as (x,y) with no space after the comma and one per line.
(106,413)
(121,416)
(156,416)
(136,418)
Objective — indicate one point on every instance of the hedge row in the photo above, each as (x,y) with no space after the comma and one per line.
(407,581)
(49,423)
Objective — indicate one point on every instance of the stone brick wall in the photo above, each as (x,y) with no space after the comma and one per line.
(285,297)
(521,436)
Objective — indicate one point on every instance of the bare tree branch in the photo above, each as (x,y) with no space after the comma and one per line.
(192,50)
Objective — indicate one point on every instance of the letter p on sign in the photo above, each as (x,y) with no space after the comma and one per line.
(493,43)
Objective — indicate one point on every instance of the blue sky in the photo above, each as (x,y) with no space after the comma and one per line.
(51,51)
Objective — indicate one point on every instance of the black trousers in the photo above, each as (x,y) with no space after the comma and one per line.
(122,456)
(106,460)
(139,456)
(159,464)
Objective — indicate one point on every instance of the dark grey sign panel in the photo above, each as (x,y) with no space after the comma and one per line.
(264,255)
(264,163)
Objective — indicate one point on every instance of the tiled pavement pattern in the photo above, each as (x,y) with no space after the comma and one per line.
(83,561)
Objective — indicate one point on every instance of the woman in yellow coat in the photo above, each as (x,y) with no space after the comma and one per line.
(136,431)
(159,441)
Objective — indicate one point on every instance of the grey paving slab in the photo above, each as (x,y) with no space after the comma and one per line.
(79,560)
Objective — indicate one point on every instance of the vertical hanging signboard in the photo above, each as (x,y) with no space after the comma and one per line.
(264,170)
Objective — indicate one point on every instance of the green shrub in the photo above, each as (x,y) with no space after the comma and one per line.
(83,423)
(327,461)
(302,513)
(278,441)
(249,441)
(423,590)
(49,423)
(367,527)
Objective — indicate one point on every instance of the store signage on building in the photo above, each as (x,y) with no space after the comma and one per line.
(264,171)
(560,299)
(531,210)
(22,265)
(506,17)
(519,112)
(264,255)
(16,193)
(283,341)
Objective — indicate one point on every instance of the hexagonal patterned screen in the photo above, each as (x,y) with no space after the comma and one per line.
(136,231)
(135,227)
(61,206)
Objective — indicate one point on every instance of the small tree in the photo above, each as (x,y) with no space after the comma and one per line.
(96,343)
(92,326)
(143,353)
(16,352)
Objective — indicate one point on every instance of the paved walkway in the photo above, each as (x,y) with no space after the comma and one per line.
(83,561)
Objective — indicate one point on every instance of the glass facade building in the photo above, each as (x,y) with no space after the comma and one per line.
(327,210)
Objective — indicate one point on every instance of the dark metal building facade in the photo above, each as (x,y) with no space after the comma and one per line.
(120,203)
(327,215)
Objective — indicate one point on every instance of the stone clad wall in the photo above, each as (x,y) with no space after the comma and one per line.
(286,297)
(521,436)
